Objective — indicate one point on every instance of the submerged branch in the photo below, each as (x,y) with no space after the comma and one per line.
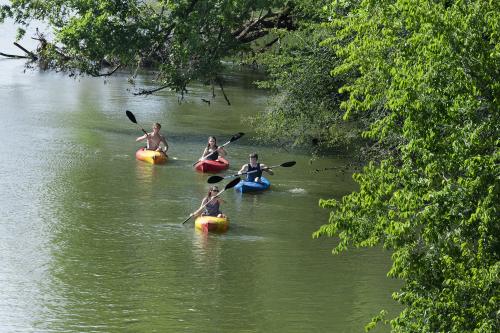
(223,92)
(149,91)
(108,73)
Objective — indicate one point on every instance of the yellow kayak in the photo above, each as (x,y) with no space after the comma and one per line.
(211,223)
(151,156)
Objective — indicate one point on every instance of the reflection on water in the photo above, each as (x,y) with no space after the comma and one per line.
(91,239)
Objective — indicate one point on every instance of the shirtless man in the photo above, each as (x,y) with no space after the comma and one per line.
(154,139)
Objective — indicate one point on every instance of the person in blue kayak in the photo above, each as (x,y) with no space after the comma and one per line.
(212,151)
(254,169)
(155,139)
(210,205)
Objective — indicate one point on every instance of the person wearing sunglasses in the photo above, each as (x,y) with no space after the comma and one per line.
(210,205)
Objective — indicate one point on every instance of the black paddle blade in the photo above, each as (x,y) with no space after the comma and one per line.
(214,179)
(232,183)
(236,136)
(131,116)
(288,164)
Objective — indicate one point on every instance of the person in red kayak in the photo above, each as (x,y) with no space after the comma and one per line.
(210,206)
(212,151)
(254,169)
(155,139)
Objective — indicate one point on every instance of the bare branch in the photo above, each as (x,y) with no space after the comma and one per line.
(219,81)
(15,56)
(29,53)
(108,73)
(149,92)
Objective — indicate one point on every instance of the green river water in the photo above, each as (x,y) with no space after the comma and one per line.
(91,239)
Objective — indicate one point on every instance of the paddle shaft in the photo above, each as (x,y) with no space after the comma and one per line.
(216,179)
(249,172)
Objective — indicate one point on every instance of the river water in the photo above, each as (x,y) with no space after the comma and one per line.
(91,239)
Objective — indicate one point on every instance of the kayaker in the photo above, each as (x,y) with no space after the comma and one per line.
(254,169)
(212,151)
(210,206)
(155,139)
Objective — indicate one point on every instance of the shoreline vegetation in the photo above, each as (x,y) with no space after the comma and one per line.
(411,87)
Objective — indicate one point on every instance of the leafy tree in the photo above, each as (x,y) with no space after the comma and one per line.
(430,70)
(184,39)
(304,109)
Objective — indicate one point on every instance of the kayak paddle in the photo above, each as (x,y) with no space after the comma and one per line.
(233,138)
(131,116)
(216,179)
(229,185)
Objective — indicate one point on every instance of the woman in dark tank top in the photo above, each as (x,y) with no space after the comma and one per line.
(212,151)
(212,205)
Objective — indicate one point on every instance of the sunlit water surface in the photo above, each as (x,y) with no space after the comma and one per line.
(91,239)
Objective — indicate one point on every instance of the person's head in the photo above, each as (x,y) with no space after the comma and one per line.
(253,158)
(213,190)
(156,127)
(212,142)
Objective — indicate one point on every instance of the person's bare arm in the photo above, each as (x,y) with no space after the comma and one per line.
(243,169)
(162,139)
(266,169)
(204,154)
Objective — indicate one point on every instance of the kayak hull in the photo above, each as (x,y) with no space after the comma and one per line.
(247,187)
(211,224)
(151,156)
(218,165)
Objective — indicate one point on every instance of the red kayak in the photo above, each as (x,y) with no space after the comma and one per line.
(218,165)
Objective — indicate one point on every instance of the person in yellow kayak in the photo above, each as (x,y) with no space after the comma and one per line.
(254,169)
(212,151)
(155,139)
(210,205)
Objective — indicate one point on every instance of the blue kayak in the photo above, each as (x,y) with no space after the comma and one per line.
(245,186)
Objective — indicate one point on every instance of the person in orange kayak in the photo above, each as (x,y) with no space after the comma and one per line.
(155,139)
(212,151)
(210,205)
(254,169)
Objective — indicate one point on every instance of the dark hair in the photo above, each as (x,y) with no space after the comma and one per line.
(254,155)
(157,125)
(212,137)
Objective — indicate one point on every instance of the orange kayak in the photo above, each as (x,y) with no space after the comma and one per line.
(211,223)
(151,156)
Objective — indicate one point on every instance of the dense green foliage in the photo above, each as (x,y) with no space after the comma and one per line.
(431,69)
(305,107)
